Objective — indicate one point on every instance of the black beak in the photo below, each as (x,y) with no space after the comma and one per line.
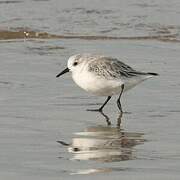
(63,72)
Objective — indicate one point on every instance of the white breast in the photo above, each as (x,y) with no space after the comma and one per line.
(97,85)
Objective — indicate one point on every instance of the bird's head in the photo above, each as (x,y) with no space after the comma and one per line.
(74,64)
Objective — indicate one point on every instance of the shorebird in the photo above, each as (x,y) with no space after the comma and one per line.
(104,76)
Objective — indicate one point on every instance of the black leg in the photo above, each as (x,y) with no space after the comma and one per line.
(118,101)
(101,108)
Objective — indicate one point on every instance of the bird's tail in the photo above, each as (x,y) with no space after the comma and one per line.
(153,74)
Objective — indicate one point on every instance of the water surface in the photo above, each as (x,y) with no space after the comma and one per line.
(38,110)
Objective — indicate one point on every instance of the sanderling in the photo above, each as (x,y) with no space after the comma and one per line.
(104,76)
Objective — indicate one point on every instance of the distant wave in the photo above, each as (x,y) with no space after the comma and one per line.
(21,33)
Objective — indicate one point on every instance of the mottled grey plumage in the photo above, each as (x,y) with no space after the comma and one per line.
(112,68)
(104,76)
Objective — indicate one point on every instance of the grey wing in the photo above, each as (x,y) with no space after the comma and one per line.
(112,68)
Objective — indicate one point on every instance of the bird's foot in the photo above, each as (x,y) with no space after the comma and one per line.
(95,110)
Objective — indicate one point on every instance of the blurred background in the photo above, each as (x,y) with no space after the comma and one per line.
(37,110)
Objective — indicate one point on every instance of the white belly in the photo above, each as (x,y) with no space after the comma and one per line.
(97,85)
(102,87)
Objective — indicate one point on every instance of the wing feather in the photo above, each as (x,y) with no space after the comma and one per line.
(112,68)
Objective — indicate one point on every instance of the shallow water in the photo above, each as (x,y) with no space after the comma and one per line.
(45,130)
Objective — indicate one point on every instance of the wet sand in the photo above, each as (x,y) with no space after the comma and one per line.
(46,132)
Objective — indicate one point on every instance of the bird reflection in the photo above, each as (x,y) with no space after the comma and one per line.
(104,144)
(108,119)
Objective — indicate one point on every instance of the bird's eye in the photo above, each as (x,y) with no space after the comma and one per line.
(75,63)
